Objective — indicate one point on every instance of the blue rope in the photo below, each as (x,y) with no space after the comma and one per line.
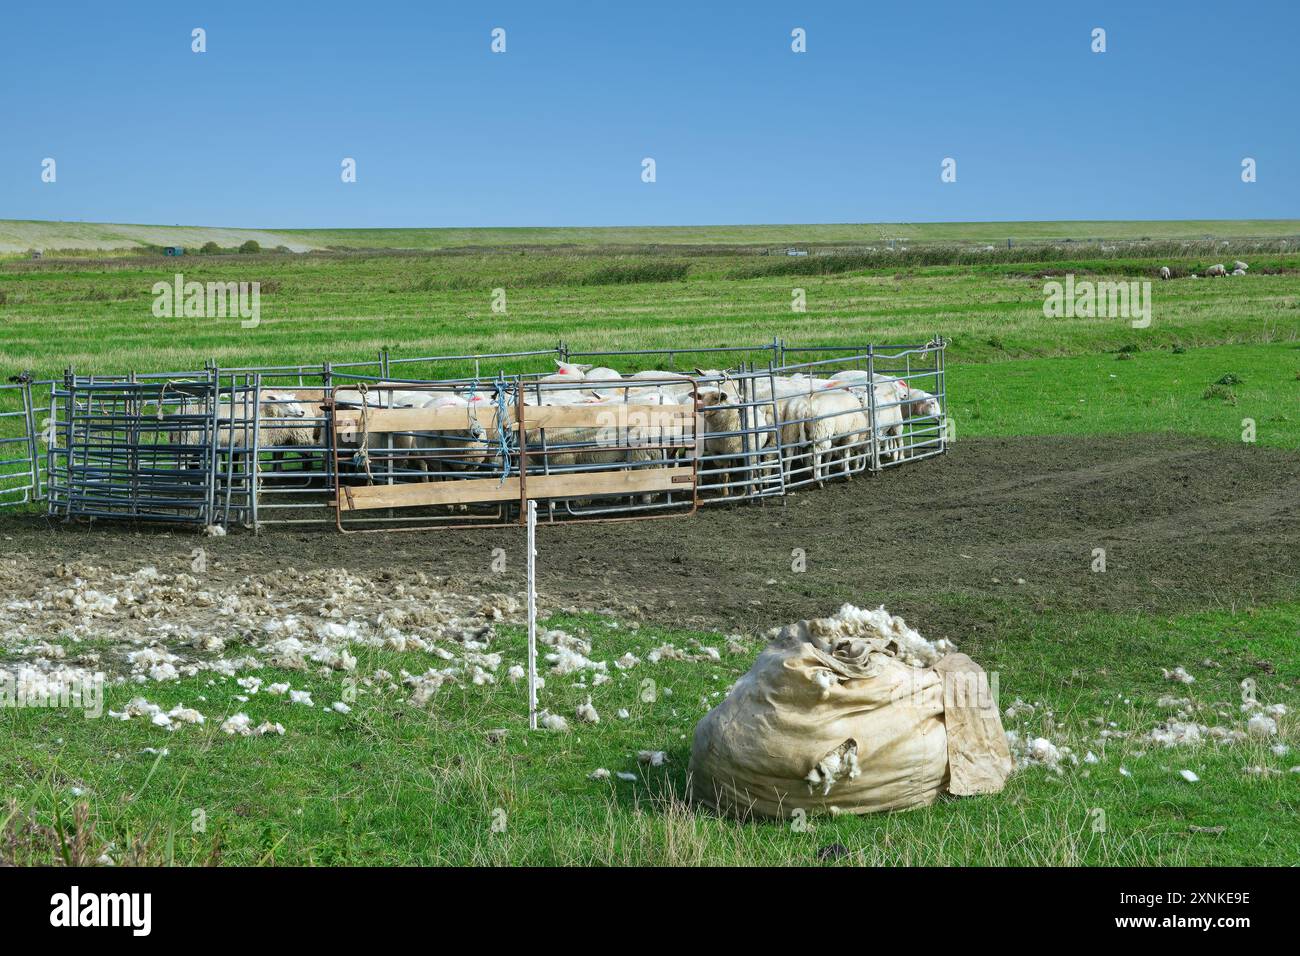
(503,433)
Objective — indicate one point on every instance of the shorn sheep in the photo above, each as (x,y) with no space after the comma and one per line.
(753,430)
(829,426)
(895,402)
(385,445)
(461,449)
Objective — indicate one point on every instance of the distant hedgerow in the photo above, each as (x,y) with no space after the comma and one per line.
(650,271)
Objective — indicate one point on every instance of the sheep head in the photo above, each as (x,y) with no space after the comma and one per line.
(282,405)
(713,396)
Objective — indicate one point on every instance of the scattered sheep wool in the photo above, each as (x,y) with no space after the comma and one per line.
(856,710)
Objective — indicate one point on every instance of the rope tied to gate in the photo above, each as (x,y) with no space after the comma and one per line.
(162,396)
(362,456)
(503,434)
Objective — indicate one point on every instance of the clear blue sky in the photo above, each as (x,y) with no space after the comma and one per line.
(445,133)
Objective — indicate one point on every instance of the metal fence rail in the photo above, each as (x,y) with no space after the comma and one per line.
(302,444)
(20,460)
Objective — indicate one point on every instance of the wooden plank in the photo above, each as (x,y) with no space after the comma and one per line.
(607,416)
(592,483)
(413,494)
(348,420)
(473,490)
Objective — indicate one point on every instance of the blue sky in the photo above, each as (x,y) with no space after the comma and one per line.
(743,130)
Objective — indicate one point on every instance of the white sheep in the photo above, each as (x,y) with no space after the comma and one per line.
(235,430)
(1216,270)
(614,436)
(659,375)
(673,385)
(729,426)
(383,442)
(830,425)
(1164,272)
(602,375)
(895,403)
(922,404)
(535,396)
(566,372)
(459,449)
(892,396)
(302,432)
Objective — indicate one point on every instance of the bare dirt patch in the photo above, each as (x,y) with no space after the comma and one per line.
(1184,524)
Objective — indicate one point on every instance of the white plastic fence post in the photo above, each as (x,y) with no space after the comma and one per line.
(532,615)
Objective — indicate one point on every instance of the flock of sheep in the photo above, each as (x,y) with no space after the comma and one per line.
(811,428)
(1213,272)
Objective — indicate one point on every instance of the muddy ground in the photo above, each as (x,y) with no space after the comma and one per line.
(1184,524)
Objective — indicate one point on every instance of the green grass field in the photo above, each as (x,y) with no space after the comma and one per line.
(388,783)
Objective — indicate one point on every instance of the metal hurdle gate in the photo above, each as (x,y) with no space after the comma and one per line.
(173,447)
(20,459)
(201,447)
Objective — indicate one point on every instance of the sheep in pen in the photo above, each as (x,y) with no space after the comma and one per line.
(589,441)
(364,446)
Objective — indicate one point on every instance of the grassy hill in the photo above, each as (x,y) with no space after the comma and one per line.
(18,236)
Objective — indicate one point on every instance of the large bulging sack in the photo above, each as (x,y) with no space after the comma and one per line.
(853,713)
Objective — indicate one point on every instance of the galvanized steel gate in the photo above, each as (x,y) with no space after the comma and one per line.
(20,458)
(171,448)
